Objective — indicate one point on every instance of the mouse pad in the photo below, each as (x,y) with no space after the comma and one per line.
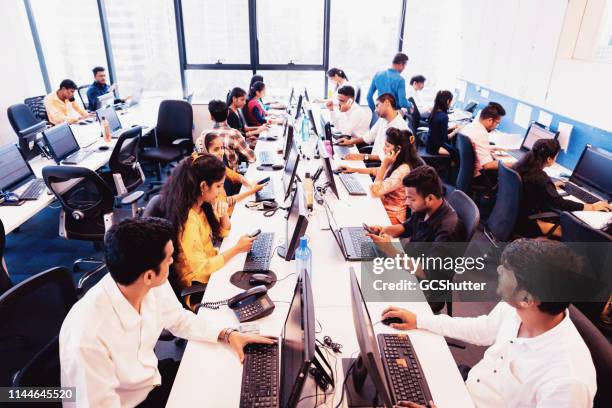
(241,279)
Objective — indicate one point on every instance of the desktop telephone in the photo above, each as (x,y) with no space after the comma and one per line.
(249,305)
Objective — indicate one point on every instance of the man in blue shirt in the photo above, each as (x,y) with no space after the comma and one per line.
(391,81)
(98,88)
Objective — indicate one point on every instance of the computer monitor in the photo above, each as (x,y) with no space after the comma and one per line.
(298,109)
(296,225)
(111,115)
(368,365)
(298,345)
(16,170)
(306,94)
(316,126)
(61,142)
(593,171)
(291,97)
(536,132)
(106,100)
(327,167)
(290,171)
(288,141)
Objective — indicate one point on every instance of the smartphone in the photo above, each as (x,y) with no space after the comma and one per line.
(368,229)
(255,233)
(263,181)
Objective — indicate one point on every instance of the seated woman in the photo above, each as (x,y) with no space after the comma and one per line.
(540,193)
(400,158)
(437,140)
(255,112)
(213,143)
(190,201)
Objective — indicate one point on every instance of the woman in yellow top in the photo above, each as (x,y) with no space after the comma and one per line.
(190,200)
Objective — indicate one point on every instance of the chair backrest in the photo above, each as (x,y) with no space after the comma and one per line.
(153,208)
(505,212)
(84,205)
(601,353)
(575,230)
(357,94)
(31,315)
(37,106)
(466,163)
(174,121)
(124,158)
(5,280)
(21,118)
(466,210)
(416,115)
(43,370)
(82,91)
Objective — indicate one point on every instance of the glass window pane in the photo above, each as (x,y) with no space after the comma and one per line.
(216,31)
(143,37)
(363,39)
(209,84)
(279,83)
(604,44)
(290,30)
(71,38)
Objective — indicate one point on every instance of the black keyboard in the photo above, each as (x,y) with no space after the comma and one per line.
(403,370)
(260,376)
(34,190)
(580,194)
(364,247)
(265,158)
(78,157)
(351,184)
(266,193)
(258,258)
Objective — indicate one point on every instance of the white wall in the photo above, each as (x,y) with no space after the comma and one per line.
(19,71)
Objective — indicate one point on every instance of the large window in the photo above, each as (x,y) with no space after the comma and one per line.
(216,31)
(279,83)
(70,37)
(214,84)
(143,39)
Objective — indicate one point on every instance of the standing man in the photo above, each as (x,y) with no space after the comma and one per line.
(98,88)
(61,106)
(391,81)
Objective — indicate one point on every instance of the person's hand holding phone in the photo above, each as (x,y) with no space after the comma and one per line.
(245,243)
(389,159)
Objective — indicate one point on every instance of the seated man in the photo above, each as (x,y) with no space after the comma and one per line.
(348,117)
(98,88)
(234,143)
(389,117)
(536,357)
(107,338)
(417,83)
(62,107)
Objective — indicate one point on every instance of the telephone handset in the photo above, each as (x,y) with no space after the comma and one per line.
(251,304)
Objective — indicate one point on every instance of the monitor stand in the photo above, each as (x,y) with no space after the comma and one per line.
(282,251)
(360,389)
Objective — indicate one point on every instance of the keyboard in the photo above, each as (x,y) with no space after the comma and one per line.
(363,245)
(403,370)
(77,157)
(580,194)
(265,158)
(34,190)
(351,184)
(258,258)
(260,376)
(266,193)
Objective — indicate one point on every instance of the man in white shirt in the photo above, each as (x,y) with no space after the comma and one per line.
(536,356)
(107,338)
(417,83)
(389,117)
(348,117)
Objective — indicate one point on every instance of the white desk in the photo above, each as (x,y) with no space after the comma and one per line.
(211,373)
(145,113)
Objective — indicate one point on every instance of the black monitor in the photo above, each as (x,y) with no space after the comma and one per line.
(106,100)
(315,125)
(306,94)
(368,365)
(298,109)
(327,167)
(290,171)
(111,115)
(288,141)
(593,171)
(291,98)
(298,345)
(297,222)
(61,142)
(16,170)
(536,132)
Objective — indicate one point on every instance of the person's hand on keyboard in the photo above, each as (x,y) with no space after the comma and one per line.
(559,183)
(598,206)
(345,142)
(414,405)
(379,237)
(347,170)
(409,321)
(238,340)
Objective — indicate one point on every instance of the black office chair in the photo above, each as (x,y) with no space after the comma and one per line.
(601,353)
(467,160)
(31,315)
(82,91)
(37,106)
(26,126)
(575,230)
(500,224)
(43,370)
(5,279)
(173,138)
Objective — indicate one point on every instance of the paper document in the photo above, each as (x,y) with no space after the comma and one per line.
(565,133)
(461,88)
(545,118)
(596,219)
(522,116)
(484,93)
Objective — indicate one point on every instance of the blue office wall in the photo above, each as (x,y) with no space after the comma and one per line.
(582,133)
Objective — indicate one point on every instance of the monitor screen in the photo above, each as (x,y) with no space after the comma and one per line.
(60,141)
(110,115)
(316,125)
(297,223)
(105,100)
(288,141)
(14,167)
(593,170)
(290,169)
(327,167)
(298,109)
(537,132)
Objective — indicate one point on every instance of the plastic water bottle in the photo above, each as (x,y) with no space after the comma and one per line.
(305,128)
(303,257)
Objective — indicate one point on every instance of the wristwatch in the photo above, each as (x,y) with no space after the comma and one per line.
(366,157)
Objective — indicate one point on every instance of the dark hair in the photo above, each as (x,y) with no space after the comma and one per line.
(387,97)
(256,87)
(408,152)
(332,72)
(182,190)
(218,110)
(440,103)
(425,180)
(533,162)
(236,93)
(545,269)
(97,69)
(68,84)
(492,111)
(134,246)
(209,138)
(400,58)
(347,90)
(255,78)
(417,78)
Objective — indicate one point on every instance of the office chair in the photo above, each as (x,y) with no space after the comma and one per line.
(43,370)
(31,315)
(601,353)
(501,222)
(82,91)
(575,230)
(37,106)
(5,279)
(173,138)
(26,126)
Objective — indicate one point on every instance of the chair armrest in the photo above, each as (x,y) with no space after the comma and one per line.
(38,127)
(543,215)
(193,289)
(365,150)
(423,129)
(132,197)
(183,144)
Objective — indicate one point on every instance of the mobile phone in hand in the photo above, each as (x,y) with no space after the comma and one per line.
(368,229)
(263,181)
(255,233)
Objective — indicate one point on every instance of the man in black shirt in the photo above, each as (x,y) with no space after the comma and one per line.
(235,118)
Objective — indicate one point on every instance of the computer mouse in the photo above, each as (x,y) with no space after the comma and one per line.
(390,320)
(277,167)
(260,279)
(103,147)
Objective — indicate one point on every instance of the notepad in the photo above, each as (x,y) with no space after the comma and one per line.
(596,219)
